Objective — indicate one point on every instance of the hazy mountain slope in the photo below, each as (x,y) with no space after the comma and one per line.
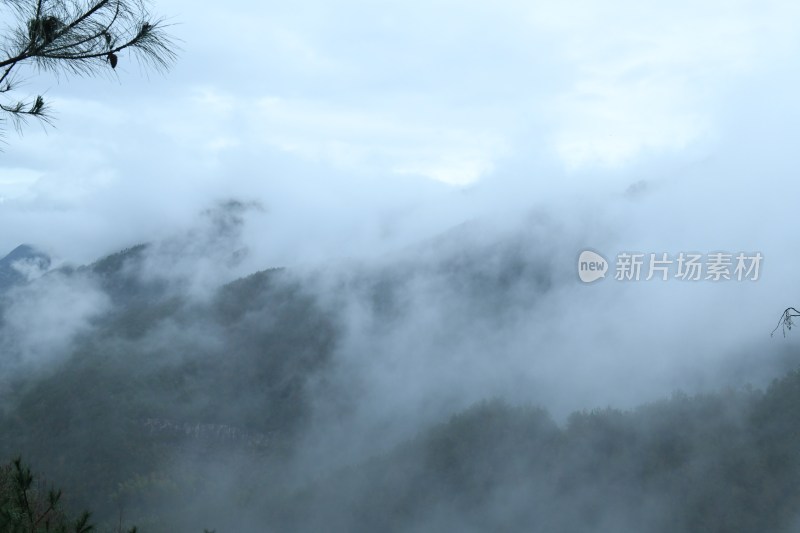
(720,462)
(163,373)
(238,406)
(22,260)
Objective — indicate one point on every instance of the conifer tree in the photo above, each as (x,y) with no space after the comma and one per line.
(84,37)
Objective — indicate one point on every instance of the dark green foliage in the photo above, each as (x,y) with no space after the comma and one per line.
(728,462)
(24,507)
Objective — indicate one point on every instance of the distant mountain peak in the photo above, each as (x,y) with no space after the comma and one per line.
(22,264)
(22,250)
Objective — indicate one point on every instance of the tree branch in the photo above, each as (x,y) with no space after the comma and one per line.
(786,320)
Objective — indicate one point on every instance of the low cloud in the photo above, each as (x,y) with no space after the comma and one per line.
(41,320)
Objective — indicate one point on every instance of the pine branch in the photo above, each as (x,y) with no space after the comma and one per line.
(78,38)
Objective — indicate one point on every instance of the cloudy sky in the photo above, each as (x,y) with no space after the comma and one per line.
(358,130)
(361,126)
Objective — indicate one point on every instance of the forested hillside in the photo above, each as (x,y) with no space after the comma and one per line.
(178,411)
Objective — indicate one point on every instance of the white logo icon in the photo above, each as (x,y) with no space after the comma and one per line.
(591,266)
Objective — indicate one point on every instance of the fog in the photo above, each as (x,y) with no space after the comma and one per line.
(413,185)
